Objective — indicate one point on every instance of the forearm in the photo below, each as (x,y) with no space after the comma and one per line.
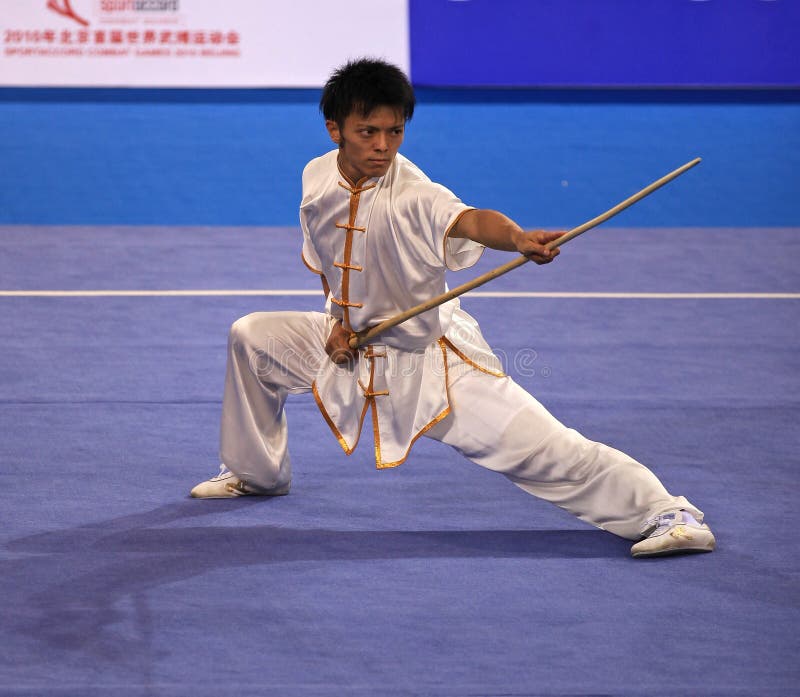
(489,228)
(495,230)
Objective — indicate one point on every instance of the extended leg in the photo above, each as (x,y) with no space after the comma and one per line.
(498,425)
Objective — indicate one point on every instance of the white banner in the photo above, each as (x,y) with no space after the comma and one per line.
(194,43)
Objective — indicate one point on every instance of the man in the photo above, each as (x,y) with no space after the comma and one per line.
(381,236)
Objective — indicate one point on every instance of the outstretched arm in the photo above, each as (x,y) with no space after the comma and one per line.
(495,236)
(495,230)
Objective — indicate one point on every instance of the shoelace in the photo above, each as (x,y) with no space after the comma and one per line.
(662,520)
(222,471)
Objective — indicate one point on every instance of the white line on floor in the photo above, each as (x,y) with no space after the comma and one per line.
(474,294)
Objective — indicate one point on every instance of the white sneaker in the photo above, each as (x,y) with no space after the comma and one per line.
(676,532)
(226,485)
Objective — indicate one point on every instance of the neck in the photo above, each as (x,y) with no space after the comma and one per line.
(352,178)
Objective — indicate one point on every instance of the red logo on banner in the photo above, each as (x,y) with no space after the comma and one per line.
(63,7)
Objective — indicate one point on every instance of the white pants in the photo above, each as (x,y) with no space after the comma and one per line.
(494,423)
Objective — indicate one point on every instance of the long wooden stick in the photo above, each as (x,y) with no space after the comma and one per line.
(362,337)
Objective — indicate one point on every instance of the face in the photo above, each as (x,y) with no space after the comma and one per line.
(368,144)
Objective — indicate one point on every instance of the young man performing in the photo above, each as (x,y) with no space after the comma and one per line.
(381,235)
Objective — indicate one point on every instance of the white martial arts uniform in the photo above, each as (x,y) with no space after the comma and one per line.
(383,246)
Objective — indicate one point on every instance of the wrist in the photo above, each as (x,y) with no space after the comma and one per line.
(517,237)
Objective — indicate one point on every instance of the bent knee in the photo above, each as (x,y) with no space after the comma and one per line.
(241,331)
(253,330)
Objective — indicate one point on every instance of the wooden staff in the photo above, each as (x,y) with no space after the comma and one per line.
(360,338)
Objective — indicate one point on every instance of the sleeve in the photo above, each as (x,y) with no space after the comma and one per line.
(312,262)
(441,210)
(309,254)
(460,253)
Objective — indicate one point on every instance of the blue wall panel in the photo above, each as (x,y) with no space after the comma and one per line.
(545,163)
(605,42)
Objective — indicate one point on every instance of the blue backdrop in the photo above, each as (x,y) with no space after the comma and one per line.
(604,42)
(544,163)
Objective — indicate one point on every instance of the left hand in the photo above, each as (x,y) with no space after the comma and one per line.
(337,346)
(532,243)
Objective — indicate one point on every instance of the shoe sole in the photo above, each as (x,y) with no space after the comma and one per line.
(238,495)
(671,552)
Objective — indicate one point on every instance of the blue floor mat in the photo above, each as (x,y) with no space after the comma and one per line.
(436,578)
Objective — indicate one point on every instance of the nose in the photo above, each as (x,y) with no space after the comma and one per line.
(381,142)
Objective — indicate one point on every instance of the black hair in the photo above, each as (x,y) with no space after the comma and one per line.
(364,84)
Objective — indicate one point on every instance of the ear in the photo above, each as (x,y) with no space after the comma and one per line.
(333,131)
